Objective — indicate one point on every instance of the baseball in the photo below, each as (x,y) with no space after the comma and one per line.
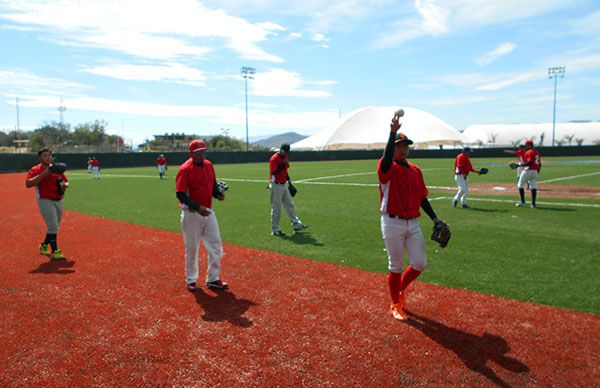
(399,113)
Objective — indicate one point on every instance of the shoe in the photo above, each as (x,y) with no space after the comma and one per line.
(454,203)
(217,285)
(533,205)
(402,302)
(520,204)
(465,206)
(44,250)
(278,233)
(300,227)
(57,255)
(397,312)
(192,286)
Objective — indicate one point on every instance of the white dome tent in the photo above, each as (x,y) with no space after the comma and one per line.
(369,128)
(510,135)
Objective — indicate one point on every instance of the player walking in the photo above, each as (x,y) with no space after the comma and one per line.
(95,168)
(403,192)
(532,165)
(462,169)
(50,188)
(195,187)
(279,193)
(161,165)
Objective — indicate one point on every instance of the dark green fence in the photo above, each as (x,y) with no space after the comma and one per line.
(22,162)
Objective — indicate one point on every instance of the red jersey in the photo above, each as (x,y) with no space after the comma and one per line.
(47,188)
(275,161)
(519,154)
(401,189)
(196,181)
(462,165)
(161,161)
(95,162)
(534,157)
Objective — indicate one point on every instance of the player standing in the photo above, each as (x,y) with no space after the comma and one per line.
(402,192)
(462,168)
(195,187)
(519,153)
(532,165)
(95,168)
(161,165)
(49,191)
(89,165)
(279,193)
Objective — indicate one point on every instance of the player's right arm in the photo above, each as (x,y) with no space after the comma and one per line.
(33,181)
(388,152)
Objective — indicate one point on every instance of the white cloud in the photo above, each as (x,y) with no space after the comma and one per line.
(449,101)
(14,82)
(279,82)
(440,17)
(148,29)
(500,51)
(171,72)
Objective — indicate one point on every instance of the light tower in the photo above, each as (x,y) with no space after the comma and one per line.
(61,109)
(555,72)
(247,72)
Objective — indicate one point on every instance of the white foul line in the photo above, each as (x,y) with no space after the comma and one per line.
(569,177)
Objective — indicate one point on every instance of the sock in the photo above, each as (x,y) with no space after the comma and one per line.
(47,239)
(533,195)
(408,276)
(522,194)
(394,286)
(52,242)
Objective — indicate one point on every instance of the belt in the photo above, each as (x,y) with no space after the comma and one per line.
(400,218)
(277,183)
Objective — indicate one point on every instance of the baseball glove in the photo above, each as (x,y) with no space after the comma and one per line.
(483,171)
(513,165)
(441,233)
(222,187)
(58,168)
(293,190)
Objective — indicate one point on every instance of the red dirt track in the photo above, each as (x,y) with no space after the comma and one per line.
(117,313)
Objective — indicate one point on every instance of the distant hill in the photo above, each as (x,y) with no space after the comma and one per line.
(277,140)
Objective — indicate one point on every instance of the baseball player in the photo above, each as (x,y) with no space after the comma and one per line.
(462,168)
(161,165)
(95,168)
(89,165)
(195,187)
(532,165)
(402,192)
(50,188)
(519,153)
(279,193)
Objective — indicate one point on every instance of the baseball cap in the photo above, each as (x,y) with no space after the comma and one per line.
(285,147)
(197,145)
(401,138)
(529,143)
(466,149)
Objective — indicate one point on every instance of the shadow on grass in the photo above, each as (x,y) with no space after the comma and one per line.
(303,238)
(224,306)
(473,350)
(555,209)
(55,267)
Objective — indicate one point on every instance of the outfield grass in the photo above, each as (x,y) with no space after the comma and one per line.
(547,255)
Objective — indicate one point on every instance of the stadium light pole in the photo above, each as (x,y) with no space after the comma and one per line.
(247,72)
(555,72)
(61,108)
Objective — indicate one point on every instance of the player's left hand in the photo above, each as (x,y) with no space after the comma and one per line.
(441,233)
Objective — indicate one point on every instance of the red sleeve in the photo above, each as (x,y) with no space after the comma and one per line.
(181,181)
(383,177)
(273,164)
(425,191)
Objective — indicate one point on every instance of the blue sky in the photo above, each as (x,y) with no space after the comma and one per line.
(149,67)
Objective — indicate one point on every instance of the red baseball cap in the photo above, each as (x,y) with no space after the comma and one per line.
(401,138)
(529,143)
(197,145)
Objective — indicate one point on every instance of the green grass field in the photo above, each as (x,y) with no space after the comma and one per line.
(548,255)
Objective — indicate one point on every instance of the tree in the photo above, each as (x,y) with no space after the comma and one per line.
(225,143)
(515,143)
(560,142)
(542,136)
(579,141)
(51,135)
(493,137)
(569,138)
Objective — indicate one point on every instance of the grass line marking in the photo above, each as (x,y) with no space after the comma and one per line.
(569,177)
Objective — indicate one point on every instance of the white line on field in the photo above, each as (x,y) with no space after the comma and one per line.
(513,201)
(335,176)
(569,177)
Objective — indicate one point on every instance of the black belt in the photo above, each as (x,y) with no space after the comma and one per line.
(401,218)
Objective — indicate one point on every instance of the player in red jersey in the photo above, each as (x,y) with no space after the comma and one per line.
(532,164)
(279,193)
(195,187)
(161,165)
(95,168)
(49,191)
(402,192)
(519,153)
(462,168)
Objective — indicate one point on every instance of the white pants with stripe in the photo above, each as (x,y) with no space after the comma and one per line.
(463,189)
(280,196)
(530,176)
(198,228)
(400,235)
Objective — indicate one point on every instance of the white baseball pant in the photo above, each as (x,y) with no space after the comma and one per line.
(195,228)
(398,235)
(51,212)
(530,176)
(280,196)
(161,168)
(96,171)
(463,189)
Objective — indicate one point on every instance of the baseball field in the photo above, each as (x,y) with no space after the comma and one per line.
(513,300)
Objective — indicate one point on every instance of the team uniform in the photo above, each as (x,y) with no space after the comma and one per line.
(462,168)
(530,174)
(280,195)
(520,153)
(161,165)
(49,197)
(95,168)
(89,165)
(198,182)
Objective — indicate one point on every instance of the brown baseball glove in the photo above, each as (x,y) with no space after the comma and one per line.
(441,233)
